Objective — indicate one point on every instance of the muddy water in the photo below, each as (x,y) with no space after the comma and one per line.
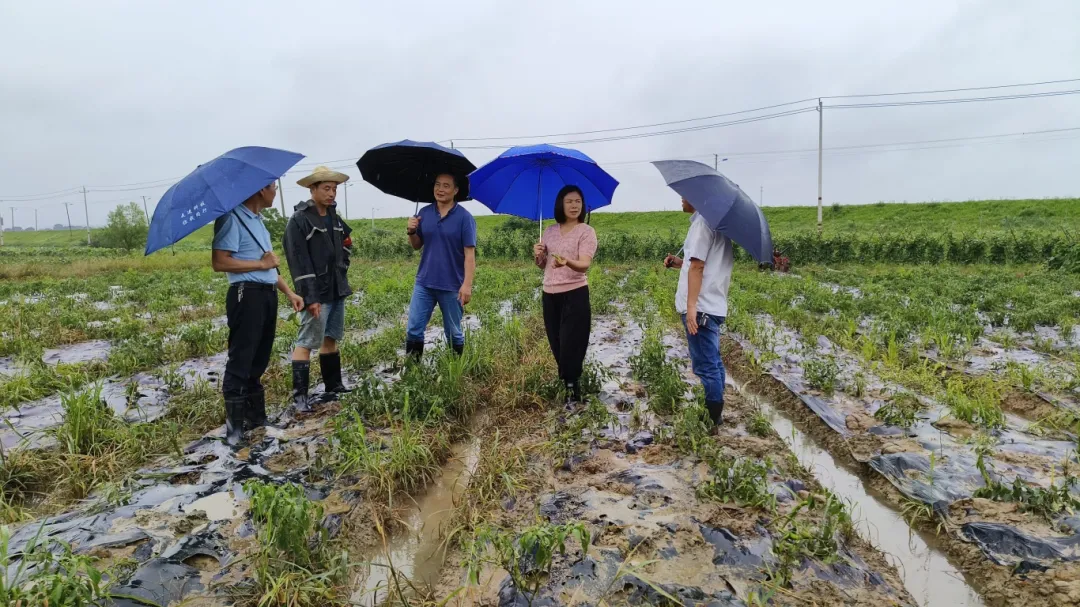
(418,552)
(926,572)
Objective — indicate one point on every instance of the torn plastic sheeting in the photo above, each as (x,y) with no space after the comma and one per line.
(1008,546)
(822,409)
(941,488)
(159,580)
(731,550)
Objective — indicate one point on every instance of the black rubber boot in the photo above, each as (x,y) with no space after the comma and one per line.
(458,349)
(716,411)
(235,408)
(414,349)
(330,364)
(301,377)
(256,411)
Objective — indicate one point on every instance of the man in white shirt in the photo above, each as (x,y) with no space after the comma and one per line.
(701,299)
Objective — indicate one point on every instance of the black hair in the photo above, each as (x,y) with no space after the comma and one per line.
(560,208)
(448,174)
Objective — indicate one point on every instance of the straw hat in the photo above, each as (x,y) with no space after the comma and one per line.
(322,173)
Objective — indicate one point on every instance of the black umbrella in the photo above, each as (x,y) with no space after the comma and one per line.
(407,169)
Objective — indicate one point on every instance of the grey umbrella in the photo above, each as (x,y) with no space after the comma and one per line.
(725,207)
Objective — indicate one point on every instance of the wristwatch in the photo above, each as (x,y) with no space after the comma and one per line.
(410,232)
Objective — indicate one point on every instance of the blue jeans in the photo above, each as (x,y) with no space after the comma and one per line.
(705,355)
(422,306)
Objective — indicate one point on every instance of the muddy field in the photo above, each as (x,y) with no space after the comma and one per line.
(932,471)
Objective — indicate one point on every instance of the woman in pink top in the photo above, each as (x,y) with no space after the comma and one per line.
(565,252)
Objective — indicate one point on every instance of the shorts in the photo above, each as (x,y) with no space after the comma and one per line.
(330,323)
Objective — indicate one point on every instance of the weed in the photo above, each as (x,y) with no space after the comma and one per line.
(739,480)
(759,424)
(527,556)
(798,539)
(293,564)
(821,373)
(902,410)
(975,402)
(662,377)
(49,573)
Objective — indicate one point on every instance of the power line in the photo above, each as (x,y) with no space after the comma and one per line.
(975,88)
(953,100)
(808,99)
(691,129)
(628,128)
(147,185)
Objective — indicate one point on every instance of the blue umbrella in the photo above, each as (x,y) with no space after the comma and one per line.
(725,207)
(213,189)
(523,181)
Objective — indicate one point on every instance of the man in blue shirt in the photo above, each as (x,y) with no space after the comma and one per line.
(447,234)
(242,250)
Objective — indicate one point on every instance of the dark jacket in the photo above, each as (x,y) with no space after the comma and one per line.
(318,258)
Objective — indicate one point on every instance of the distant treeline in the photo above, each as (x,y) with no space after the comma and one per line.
(801,247)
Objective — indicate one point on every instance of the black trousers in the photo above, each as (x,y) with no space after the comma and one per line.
(252,312)
(568,321)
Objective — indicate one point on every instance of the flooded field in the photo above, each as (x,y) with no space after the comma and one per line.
(933,471)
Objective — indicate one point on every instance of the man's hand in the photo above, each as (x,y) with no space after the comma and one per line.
(691,320)
(269,260)
(314,309)
(464,294)
(414,222)
(296,302)
(673,262)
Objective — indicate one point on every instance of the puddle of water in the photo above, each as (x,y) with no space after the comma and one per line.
(417,553)
(84,352)
(926,572)
(217,506)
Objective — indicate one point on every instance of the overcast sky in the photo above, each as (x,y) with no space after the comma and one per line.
(108,93)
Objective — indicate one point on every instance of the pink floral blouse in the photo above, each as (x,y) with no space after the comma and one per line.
(579,241)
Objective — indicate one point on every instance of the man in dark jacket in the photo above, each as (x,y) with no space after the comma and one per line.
(317,245)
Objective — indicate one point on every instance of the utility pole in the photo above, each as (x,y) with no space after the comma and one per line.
(761,196)
(345,191)
(13,217)
(281,191)
(35,220)
(820,130)
(86,210)
(145,212)
(68,211)
(716,162)
(372,217)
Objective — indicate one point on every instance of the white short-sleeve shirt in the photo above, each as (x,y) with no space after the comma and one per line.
(714,249)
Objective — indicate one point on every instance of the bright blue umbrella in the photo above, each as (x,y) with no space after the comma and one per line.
(725,207)
(523,181)
(213,189)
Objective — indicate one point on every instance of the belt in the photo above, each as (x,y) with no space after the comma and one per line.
(247,284)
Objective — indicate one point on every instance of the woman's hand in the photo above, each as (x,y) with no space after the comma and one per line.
(539,250)
(559,261)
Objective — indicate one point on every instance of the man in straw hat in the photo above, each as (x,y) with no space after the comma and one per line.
(317,245)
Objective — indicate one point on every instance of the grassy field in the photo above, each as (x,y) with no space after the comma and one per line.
(1056,215)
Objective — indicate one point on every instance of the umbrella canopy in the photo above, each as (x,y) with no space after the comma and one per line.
(213,189)
(725,207)
(523,181)
(407,169)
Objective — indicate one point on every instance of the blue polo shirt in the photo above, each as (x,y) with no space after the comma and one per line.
(230,236)
(442,260)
